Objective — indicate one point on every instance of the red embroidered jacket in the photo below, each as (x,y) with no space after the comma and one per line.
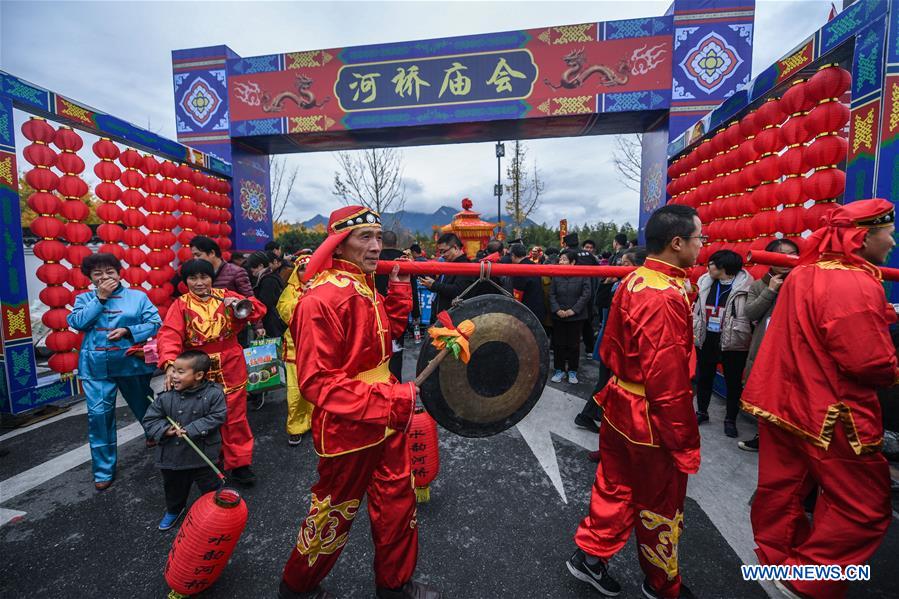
(343,329)
(826,350)
(647,345)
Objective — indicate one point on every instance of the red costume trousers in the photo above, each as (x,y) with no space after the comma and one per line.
(237,438)
(851,515)
(636,487)
(384,473)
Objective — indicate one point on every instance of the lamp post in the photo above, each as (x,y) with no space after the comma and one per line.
(498,188)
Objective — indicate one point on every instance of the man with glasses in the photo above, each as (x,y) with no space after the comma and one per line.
(447,287)
(649,440)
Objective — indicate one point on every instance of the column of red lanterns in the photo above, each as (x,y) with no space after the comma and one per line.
(133,218)
(828,148)
(72,188)
(109,193)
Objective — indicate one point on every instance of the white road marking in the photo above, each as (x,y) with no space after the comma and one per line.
(38,475)
(554,414)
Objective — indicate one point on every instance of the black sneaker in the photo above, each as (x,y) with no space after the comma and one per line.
(242,475)
(597,576)
(702,417)
(586,422)
(650,593)
(751,445)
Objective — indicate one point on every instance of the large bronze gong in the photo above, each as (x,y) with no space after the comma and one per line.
(504,378)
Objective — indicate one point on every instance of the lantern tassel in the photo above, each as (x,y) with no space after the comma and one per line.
(423,494)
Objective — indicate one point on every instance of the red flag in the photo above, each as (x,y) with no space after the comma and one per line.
(833,12)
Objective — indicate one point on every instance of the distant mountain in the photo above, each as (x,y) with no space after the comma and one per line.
(414,222)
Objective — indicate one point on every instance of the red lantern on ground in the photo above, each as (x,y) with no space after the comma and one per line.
(424,453)
(205,542)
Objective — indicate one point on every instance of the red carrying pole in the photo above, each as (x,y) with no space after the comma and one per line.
(474,269)
(775,259)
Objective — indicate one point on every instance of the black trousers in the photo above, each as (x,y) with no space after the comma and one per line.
(588,332)
(177,485)
(566,344)
(733,362)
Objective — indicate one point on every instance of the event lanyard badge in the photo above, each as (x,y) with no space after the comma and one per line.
(714,325)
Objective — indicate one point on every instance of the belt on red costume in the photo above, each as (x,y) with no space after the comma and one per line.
(635,388)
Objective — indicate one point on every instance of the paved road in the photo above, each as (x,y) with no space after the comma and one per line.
(499,524)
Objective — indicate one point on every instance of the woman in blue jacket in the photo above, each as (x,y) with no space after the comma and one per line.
(112,318)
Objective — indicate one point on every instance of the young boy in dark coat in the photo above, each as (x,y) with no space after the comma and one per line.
(198,408)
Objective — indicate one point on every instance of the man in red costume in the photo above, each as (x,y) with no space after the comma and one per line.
(649,439)
(812,386)
(343,330)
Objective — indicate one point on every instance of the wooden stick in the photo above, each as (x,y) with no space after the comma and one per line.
(431,367)
(197,449)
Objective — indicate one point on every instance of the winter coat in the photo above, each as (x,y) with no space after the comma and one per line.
(531,291)
(736,331)
(448,288)
(233,277)
(200,411)
(99,357)
(759,305)
(268,290)
(570,293)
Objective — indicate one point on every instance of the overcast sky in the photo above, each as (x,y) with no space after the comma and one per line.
(115,56)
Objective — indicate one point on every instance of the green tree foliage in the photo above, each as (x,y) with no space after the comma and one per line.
(300,237)
(601,232)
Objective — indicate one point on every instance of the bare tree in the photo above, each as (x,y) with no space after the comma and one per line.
(283,178)
(524,188)
(628,159)
(373,178)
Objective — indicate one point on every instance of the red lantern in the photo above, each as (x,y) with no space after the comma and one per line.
(78,232)
(65,362)
(40,155)
(76,278)
(69,162)
(815,215)
(135,276)
(794,131)
(206,539)
(47,227)
(55,318)
(72,186)
(791,220)
(827,117)
(114,249)
(764,223)
(50,250)
(108,191)
(107,171)
(830,81)
(825,184)
(133,179)
(133,218)
(110,212)
(769,114)
(424,452)
(110,233)
(828,150)
(76,254)
(767,141)
(792,162)
(55,296)
(52,273)
(61,341)
(158,295)
(37,130)
(184,252)
(104,149)
(749,126)
(151,165)
(790,191)
(765,196)
(134,255)
(796,98)
(44,203)
(762,242)
(768,168)
(42,179)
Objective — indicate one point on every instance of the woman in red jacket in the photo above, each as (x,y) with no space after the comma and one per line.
(205,319)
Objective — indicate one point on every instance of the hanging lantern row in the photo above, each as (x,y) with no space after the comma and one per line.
(201,197)
(773,172)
